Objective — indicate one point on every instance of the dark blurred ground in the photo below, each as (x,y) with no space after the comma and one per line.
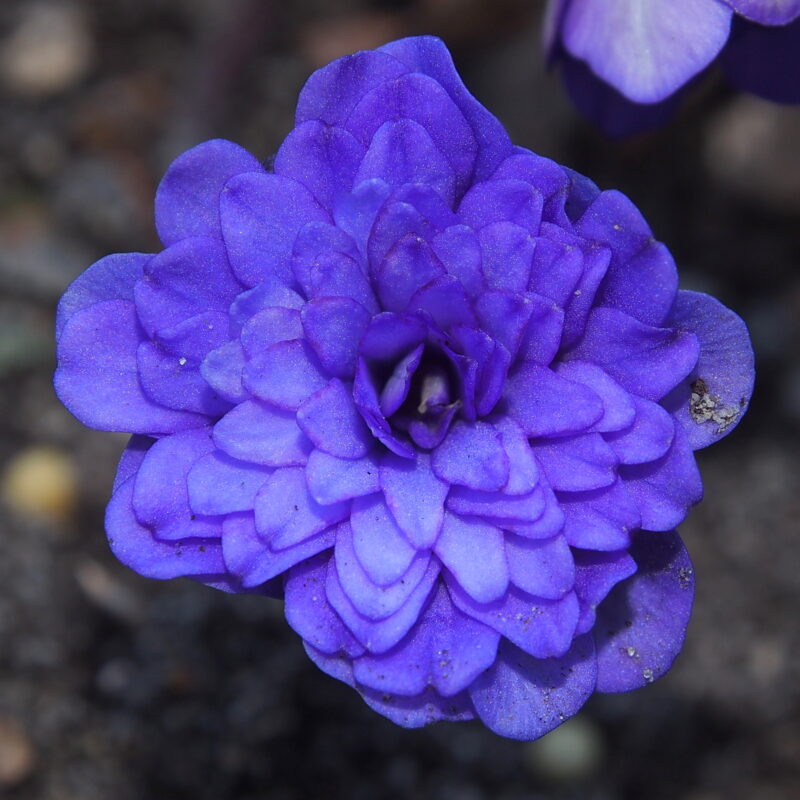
(117,688)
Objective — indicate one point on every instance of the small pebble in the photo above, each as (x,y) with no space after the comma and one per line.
(42,482)
(750,149)
(102,589)
(48,52)
(17,756)
(328,39)
(571,753)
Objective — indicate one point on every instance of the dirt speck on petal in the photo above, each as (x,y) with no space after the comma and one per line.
(706,407)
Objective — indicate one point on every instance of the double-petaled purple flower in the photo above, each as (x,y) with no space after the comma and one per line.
(624,60)
(438,392)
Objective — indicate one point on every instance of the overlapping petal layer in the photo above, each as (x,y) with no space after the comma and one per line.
(626,62)
(440,392)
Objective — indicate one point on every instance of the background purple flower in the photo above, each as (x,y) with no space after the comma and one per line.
(439,392)
(625,62)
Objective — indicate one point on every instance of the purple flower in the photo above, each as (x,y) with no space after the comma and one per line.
(624,60)
(438,392)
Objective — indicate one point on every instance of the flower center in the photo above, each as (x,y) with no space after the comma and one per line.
(431,398)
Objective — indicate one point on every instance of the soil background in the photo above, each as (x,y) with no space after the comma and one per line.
(113,687)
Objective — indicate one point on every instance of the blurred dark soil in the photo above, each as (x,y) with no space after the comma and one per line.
(112,686)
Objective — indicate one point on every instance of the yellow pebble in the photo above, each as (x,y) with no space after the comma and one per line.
(17,757)
(571,753)
(40,481)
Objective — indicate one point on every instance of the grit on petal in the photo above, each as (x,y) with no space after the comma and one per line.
(172,379)
(310,614)
(579,305)
(424,709)
(723,378)
(195,337)
(523,697)
(642,278)
(641,625)
(542,628)
(556,268)
(136,547)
